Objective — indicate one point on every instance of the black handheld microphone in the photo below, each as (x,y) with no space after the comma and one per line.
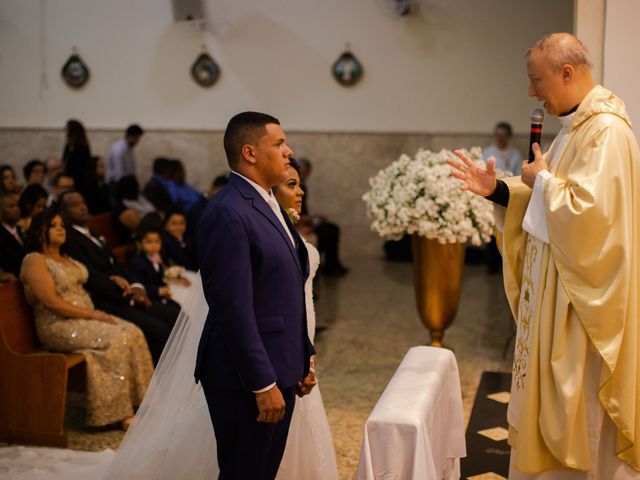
(537,116)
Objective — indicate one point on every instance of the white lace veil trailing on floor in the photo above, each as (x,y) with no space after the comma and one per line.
(171,436)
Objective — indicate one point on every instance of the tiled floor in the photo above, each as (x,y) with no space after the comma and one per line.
(487,448)
(372,322)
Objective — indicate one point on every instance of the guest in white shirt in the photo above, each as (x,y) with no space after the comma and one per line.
(131,204)
(121,160)
(507,156)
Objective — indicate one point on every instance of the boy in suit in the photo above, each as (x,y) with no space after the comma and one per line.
(147,266)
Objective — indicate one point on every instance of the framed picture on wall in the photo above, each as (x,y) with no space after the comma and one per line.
(205,71)
(75,72)
(347,69)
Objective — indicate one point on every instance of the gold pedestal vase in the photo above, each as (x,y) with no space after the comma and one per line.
(437,278)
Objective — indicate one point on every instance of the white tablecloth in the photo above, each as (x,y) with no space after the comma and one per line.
(416,430)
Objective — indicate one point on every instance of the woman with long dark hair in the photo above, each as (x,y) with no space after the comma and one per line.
(119,365)
(8,180)
(77,159)
(33,200)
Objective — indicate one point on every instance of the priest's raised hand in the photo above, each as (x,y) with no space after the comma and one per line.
(479,180)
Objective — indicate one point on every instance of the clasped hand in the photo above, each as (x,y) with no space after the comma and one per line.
(101,316)
(271,405)
(138,294)
(305,386)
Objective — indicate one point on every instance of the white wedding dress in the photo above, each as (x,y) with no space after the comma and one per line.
(309,453)
(171,436)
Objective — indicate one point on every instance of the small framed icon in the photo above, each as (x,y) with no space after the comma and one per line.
(205,71)
(347,69)
(75,72)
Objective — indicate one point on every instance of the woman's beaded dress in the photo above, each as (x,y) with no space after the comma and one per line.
(118,361)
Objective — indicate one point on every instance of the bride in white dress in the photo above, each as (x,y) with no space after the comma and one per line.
(309,453)
(171,436)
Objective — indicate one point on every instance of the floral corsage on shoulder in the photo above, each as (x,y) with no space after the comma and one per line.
(293,215)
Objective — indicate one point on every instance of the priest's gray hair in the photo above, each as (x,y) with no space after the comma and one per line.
(561,49)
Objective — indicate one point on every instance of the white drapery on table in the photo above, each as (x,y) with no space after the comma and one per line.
(416,430)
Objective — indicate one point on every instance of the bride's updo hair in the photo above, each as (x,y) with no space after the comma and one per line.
(293,163)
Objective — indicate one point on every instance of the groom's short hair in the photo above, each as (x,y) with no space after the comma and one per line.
(244,128)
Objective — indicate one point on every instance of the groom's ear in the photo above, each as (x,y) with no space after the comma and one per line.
(248,153)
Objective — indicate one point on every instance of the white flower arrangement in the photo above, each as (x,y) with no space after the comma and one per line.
(293,215)
(176,272)
(420,196)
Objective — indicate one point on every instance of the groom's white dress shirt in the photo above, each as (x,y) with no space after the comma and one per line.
(270,198)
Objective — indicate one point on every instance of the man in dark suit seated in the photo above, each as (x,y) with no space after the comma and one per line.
(111,285)
(11,237)
(156,190)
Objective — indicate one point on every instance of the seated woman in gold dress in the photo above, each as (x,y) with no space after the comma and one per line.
(119,365)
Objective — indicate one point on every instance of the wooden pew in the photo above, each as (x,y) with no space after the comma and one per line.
(103,225)
(33,382)
(123,253)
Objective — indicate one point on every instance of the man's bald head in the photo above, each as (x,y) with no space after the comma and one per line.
(559,72)
(561,49)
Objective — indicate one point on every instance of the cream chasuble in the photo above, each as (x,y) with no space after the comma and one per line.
(572,284)
(533,276)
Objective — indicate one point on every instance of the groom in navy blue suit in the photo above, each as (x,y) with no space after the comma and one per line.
(254,351)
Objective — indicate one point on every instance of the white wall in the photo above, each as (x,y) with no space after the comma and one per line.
(621,60)
(456,66)
(589,19)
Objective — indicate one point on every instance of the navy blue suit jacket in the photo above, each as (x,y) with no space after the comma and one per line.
(101,264)
(177,254)
(11,252)
(142,269)
(253,279)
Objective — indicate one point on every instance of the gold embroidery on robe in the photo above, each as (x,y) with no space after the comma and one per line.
(526,312)
(590,291)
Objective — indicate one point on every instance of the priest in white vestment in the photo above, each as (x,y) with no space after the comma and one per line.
(568,229)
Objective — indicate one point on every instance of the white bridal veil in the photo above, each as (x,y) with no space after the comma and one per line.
(171,436)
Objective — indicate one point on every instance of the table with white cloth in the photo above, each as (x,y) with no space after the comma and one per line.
(416,430)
